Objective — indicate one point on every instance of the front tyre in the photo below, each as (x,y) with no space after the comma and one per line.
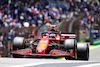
(71,45)
(82,51)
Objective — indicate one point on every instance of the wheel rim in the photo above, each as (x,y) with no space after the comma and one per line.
(75,50)
(24,43)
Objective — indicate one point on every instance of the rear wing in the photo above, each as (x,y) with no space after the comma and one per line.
(69,35)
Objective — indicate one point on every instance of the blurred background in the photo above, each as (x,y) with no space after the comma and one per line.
(24,17)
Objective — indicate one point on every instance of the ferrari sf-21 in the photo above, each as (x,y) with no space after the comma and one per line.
(52,44)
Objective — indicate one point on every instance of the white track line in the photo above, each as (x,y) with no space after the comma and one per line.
(31,64)
(95,47)
(91,65)
(34,64)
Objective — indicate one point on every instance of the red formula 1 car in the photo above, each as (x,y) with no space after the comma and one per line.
(50,44)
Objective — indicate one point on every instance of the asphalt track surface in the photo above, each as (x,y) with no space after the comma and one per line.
(94,61)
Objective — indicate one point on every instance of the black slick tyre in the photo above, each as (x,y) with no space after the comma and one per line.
(82,51)
(71,44)
(18,43)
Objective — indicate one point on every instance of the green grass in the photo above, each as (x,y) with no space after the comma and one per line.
(61,58)
(82,40)
(93,45)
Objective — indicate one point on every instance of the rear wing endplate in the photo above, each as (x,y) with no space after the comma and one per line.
(69,35)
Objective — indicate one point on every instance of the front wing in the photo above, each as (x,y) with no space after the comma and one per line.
(28,53)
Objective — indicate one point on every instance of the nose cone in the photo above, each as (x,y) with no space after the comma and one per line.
(40,51)
(42,46)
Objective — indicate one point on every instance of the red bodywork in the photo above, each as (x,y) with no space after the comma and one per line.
(53,53)
(42,47)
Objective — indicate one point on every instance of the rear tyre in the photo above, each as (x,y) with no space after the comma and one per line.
(18,43)
(71,44)
(82,51)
